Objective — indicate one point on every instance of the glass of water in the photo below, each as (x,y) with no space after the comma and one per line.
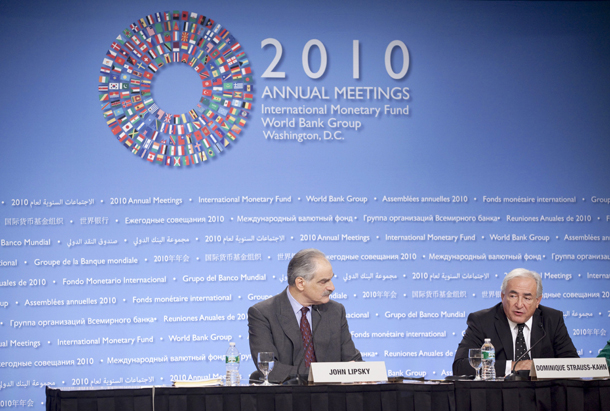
(265,365)
(475,357)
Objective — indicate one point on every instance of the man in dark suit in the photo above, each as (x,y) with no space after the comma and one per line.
(518,321)
(301,324)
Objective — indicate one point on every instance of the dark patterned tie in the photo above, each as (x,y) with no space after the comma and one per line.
(310,356)
(520,346)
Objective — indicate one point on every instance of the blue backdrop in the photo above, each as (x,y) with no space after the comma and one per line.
(454,142)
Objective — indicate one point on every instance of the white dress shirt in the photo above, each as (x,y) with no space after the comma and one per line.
(296,307)
(527,332)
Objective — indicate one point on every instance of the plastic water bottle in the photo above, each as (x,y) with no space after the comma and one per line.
(232,364)
(489,360)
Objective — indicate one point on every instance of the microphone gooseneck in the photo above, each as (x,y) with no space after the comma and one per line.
(515,376)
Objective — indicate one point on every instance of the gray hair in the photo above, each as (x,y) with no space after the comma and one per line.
(304,264)
(522,272)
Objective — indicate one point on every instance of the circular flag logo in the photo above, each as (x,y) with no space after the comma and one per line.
(126,80)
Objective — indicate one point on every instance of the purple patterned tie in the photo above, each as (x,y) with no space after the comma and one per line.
(310,356)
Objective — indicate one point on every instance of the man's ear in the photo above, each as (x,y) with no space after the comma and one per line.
(299,283)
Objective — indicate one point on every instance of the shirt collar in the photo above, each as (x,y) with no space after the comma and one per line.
(296,306)
(513,325)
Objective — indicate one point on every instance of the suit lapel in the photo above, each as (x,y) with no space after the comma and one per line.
(504,333)
(319,340)
(536,334)
(290,326)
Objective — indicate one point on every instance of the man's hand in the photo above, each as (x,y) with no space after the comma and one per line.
(523,365)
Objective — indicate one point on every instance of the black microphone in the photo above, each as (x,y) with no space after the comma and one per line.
(296,379)
(515,376)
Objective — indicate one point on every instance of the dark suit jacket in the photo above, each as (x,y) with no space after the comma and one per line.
(273,326)
(492,323)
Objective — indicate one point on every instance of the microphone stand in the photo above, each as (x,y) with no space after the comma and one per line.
(517,375)
(296,379)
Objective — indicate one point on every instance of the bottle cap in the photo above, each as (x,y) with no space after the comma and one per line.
(232,344)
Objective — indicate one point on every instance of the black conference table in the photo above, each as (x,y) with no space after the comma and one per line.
(569,395)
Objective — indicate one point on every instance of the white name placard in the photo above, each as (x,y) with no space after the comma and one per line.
(544,368)
(346,372)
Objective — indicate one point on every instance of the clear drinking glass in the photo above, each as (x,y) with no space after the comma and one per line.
(265,365)
(475,358)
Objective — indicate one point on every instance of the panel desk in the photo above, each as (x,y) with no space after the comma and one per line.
(568,395)
(555,395)
(370,397)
